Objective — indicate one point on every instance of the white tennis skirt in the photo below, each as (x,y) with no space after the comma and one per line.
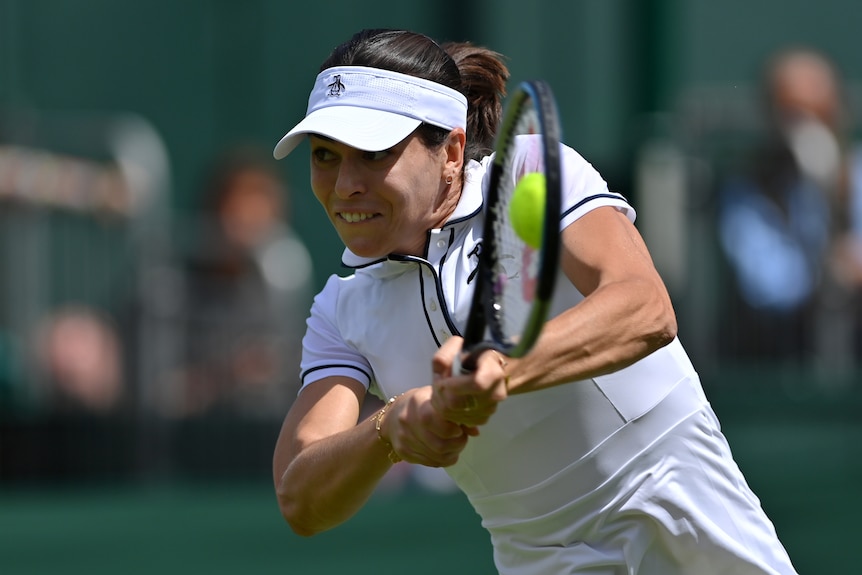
(679,507)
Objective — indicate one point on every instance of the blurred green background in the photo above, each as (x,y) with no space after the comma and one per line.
(207,73)
(132,492)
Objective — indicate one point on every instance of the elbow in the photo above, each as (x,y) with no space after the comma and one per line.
(657,324)
(295,516)
(664,327)
(294,507)
(294,519)
(301,530)
(664,336)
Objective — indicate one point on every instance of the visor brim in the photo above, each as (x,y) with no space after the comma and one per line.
(361,128)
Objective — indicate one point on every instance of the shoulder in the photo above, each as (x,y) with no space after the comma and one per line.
(326,300)
(585,189)
(344,298)
(528,156)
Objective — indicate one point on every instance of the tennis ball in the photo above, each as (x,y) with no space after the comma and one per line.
(527,208)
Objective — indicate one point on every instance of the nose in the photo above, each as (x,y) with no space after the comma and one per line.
(349,181)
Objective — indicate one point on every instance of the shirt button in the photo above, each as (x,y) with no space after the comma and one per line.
(441,244)
(432,305)
(445,334)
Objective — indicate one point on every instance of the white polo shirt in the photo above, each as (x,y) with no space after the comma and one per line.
(557,467)
(413,304)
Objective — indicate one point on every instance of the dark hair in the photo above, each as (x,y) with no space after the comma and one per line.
(476,72)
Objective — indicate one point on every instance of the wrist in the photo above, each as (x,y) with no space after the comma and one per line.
(378,425)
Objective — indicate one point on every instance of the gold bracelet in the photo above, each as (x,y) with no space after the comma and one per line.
(378,420)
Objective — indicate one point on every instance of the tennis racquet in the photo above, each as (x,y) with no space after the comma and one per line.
(514,281)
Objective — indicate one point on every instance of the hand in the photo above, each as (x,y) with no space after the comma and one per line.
(419,434)
(468,399)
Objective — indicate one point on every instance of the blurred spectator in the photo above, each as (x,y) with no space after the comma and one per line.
(791,225)
(80,361)
(247,280)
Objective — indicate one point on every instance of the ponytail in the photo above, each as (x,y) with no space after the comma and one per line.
(483,82)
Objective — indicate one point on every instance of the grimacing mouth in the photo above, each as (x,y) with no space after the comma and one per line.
(356,217)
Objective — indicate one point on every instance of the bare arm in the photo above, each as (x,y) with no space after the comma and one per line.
(327,464)
(317,434)
(625,316)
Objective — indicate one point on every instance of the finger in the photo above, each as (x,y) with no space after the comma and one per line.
(434,451)
(443,428)
(474,392)
(449,396)
(426,437)
(441,363)
(470,419)
(467,413)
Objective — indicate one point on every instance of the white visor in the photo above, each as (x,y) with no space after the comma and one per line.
(372,109)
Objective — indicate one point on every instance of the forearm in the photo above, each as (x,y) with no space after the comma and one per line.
(329,480)
(617,325)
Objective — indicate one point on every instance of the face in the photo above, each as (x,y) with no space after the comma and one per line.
(251,208)
(384,202)
(806,86)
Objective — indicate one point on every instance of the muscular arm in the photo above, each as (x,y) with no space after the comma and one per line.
(327,464)
(625,316)
(319,480)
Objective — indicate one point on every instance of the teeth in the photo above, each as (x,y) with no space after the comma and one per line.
(355,217)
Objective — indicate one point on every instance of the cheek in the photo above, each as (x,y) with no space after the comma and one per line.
(425,201)
(319,187)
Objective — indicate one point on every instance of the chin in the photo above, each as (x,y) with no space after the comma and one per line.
(367,251)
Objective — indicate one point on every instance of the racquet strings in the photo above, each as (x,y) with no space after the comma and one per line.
(515,265)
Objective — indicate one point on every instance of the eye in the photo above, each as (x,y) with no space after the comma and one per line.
(322,154)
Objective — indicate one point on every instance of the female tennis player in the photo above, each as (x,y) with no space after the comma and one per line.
(597,452)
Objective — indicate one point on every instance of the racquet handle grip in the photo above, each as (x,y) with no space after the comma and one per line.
(466,363)
(460,367)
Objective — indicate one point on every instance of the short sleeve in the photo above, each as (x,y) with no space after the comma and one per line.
(324,351)
(584,190)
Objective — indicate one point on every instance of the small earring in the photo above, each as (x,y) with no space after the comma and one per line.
(449,181)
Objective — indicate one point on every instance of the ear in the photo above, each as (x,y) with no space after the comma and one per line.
(454,153)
